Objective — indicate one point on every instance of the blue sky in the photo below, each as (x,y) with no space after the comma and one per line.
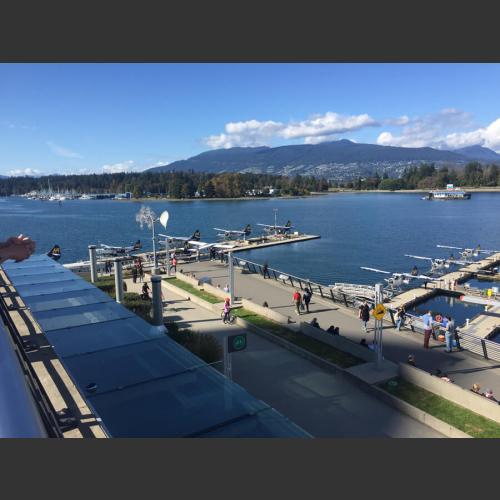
(71,118)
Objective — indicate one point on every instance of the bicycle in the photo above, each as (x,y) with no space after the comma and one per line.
(230,318)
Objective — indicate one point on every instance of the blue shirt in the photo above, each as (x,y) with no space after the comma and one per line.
(427,319)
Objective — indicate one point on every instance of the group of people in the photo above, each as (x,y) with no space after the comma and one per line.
(450,332)
(137,271)
(302,301)
(476,388)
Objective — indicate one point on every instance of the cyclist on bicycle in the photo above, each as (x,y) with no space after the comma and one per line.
(227,310)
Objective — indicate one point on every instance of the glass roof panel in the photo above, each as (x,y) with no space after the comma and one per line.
(70,317)
(177,406)
(74,298)
(131,364)
(93,337)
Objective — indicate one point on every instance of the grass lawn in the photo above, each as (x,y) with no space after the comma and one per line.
(467,421)
(314,346)
(191,289)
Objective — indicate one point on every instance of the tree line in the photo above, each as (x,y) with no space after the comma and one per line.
(168,184)
(427,176)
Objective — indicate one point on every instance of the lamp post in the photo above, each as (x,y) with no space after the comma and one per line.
(147,217)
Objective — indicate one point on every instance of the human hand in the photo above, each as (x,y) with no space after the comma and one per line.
(17,248)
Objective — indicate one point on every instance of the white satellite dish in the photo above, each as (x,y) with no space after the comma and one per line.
(164,219)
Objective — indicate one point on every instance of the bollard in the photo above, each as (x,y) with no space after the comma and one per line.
(157,301)
(118,280)
(93,263)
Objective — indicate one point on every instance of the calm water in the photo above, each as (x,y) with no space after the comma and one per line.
(449,306)
(373,230)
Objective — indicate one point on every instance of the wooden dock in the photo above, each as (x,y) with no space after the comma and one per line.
(484,324)
(243,246)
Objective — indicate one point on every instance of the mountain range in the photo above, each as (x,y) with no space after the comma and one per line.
(341,159)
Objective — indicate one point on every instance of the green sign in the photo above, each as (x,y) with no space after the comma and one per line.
(237,343)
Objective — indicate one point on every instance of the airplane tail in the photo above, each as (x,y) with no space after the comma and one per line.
(55,252)
(288,224)
(196,235)
(248,229)
(137,245)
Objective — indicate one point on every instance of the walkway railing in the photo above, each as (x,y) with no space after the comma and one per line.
(483,347)
(323,291)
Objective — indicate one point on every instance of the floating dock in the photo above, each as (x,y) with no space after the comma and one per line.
(269,241)
(482,325)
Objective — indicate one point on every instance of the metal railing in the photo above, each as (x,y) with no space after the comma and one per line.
(478,345)
(297,282)
(44,408)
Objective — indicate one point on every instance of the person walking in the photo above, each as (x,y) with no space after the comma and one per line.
(265,270)
(307,298)
(364,314)
(297,299)
(427,321)
(449,334)
(400,318)
(141,272)
(174,264)
(227,310)
(134,274)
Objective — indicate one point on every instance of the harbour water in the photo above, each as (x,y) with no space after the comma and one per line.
(366,229)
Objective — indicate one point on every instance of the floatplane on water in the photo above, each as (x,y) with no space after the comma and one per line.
(398,280)
(228,234)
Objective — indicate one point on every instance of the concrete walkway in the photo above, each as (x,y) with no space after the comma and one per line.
(323,403)
(464,368)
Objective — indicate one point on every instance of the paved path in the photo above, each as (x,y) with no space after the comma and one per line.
(463,367)
(325,404)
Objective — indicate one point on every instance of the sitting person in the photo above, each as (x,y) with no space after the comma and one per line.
(441,375)
(489,394)
(477,389)
(363,343)
(315,323)
(411,360)
(265,304)
(331,329)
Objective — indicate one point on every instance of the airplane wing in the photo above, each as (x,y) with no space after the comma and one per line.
(266,225)
(175,238)
(447,246)
(229,231)
(199,244)
(225,247)
(419,257)
(375,270)
(419,276)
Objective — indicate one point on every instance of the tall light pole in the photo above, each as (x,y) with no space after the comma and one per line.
(147,217)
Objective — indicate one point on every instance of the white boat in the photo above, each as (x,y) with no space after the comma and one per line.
(450,193)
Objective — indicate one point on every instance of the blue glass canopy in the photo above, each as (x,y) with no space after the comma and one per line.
(139,382)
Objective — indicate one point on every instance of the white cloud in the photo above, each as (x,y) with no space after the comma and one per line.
(436,130)
(318,139)
(317,128)
(33,172)
(62,151)
(327,124)
(401,120)
(118,168)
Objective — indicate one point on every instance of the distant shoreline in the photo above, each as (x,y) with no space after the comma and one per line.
(241,198)
(495,189)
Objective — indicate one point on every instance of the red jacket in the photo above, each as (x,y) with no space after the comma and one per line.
(296,297)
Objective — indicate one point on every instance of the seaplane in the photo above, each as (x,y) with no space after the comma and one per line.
(275,229)
(190,245)
(439,265)
(114,251)
(397,280)
(468,253)
(228,234)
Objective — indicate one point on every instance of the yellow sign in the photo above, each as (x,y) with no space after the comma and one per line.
(379,311)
